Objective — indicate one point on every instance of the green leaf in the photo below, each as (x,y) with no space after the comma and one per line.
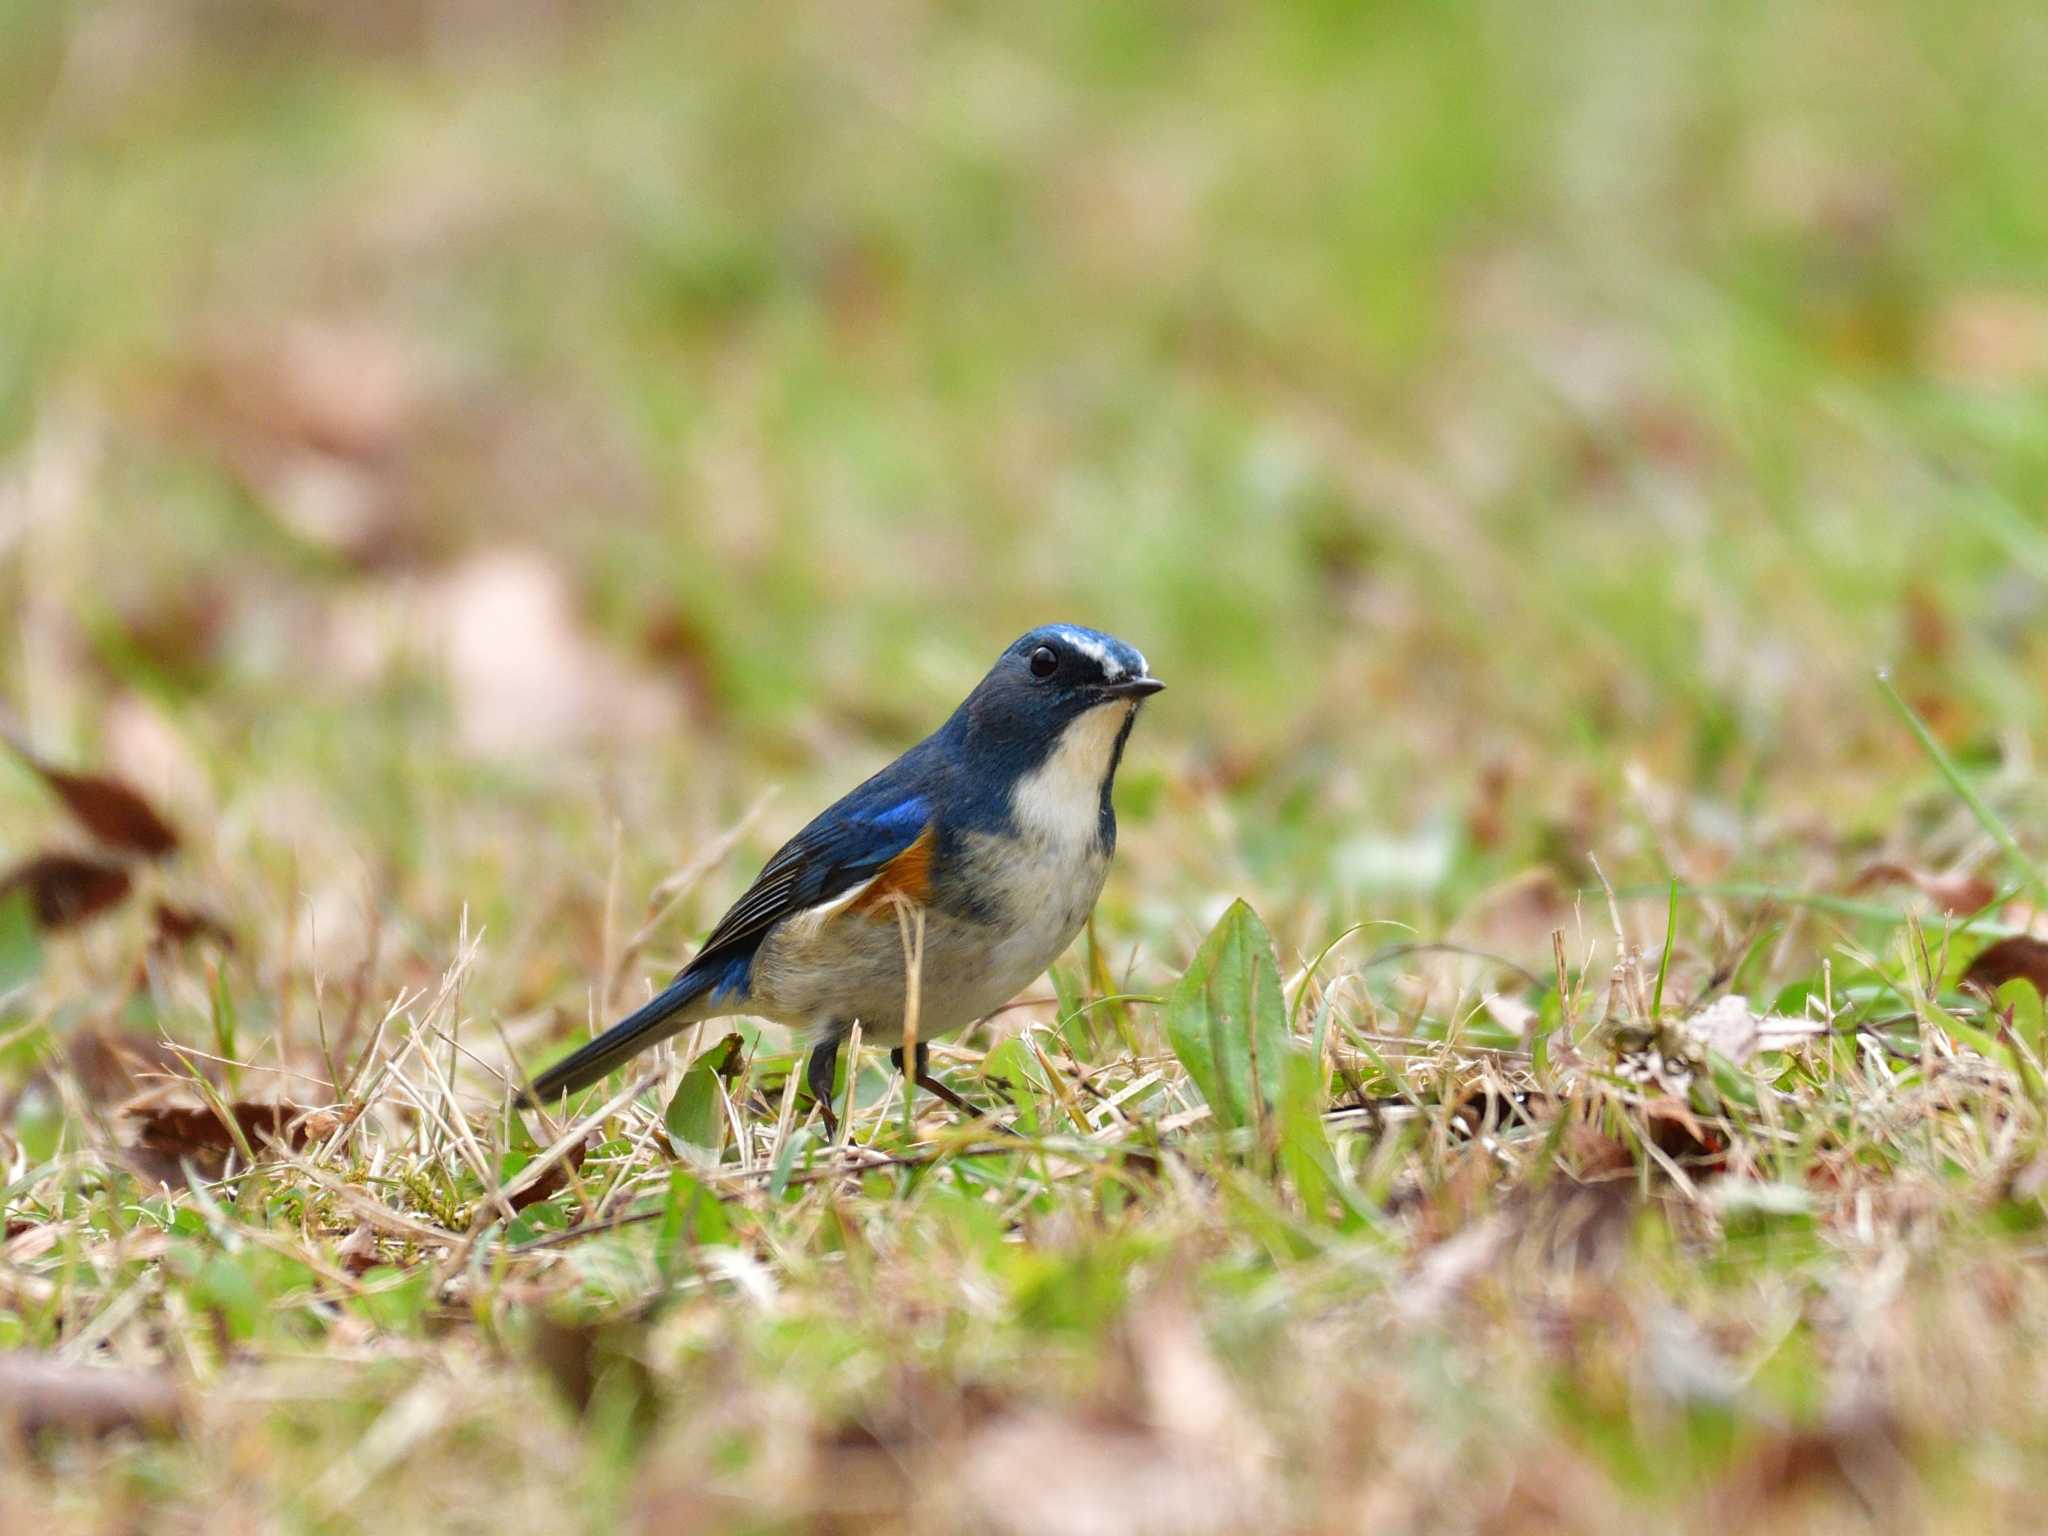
(1966,792)
(1105,986)
(692,1217)
(21,952)
(1074,1023)
(1228,1023)
(395,1300)
(785,1163)
(1010,1063)
(224,1285)
(227,1021)
(1664,964)
(1304,1145)
(696,1115)
(1730,1081)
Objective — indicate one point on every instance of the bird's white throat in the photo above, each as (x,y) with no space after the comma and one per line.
(1061,799)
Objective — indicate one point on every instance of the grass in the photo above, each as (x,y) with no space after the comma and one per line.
(487,485)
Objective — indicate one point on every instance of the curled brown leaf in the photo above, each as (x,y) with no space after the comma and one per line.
(112,1067)
(66,888)
(1956,893)
(2016,959)
(170,1135)
(113,813)
(177,925)
(551,1183)
(39,1394)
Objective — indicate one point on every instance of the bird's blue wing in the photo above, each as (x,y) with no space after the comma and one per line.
(849,844)
(882,828)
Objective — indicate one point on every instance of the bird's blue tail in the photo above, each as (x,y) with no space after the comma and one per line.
(654,1021)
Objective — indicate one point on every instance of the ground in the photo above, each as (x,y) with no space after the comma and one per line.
(474,479)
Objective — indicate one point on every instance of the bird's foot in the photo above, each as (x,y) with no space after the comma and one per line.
(820,1075)
(921,1075)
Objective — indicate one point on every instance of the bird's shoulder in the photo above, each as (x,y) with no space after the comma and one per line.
(898,809)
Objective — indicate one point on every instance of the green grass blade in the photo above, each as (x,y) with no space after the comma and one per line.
(1987,818)
(1664,964)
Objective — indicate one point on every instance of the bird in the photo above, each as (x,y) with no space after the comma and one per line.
(978,855)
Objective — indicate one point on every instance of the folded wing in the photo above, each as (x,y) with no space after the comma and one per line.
(882,843)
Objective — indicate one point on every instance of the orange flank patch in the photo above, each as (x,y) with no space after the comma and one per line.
(907,877)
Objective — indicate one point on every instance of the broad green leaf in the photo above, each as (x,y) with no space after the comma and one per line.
(395,1300)
(696,1117)
(785,1163)
(1074,1023)
(1010,1064)
(518,1139)
(1304,1145)
(691,1218)
(1730,1082)
(226,1286)
(1228,1023)
(21,952)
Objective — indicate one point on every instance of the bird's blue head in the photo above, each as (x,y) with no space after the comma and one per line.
(1050,720)
(1052,677)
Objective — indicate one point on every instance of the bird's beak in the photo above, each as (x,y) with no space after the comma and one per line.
(1131,688)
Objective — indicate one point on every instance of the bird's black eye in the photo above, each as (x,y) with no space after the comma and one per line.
(1044,661)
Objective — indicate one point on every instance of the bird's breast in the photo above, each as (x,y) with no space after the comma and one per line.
(1060,802)
(1032,894)
(1007,906)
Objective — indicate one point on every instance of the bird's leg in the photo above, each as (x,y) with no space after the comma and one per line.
(819,1076)
(922,1076)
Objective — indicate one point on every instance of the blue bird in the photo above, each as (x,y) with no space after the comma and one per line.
(994,833)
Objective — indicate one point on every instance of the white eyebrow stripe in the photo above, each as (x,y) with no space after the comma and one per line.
(1090,647)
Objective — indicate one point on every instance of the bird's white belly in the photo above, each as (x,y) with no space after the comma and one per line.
(826,971)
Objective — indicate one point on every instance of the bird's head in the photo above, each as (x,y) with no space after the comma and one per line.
(1059,704)
(1053,676)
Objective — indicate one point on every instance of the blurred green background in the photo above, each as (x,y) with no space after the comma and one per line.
(1459,403)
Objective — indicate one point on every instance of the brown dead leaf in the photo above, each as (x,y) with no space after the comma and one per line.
(180,629)
(578,1354)
(2017,959)
(1673,1129)
(1517,917)
(347,388)
(1039,1471)
(680,647)
(41,1394)
(322,423)
(1955,892)
(1589,1155)
(1577,1225)
(145,748)
(1486,819)
(170,1135)
(184,925)
(551,1183)
(112,812)
(66,888)
(1856,1453)
(525,674)
(358,1251)
(112,1067)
